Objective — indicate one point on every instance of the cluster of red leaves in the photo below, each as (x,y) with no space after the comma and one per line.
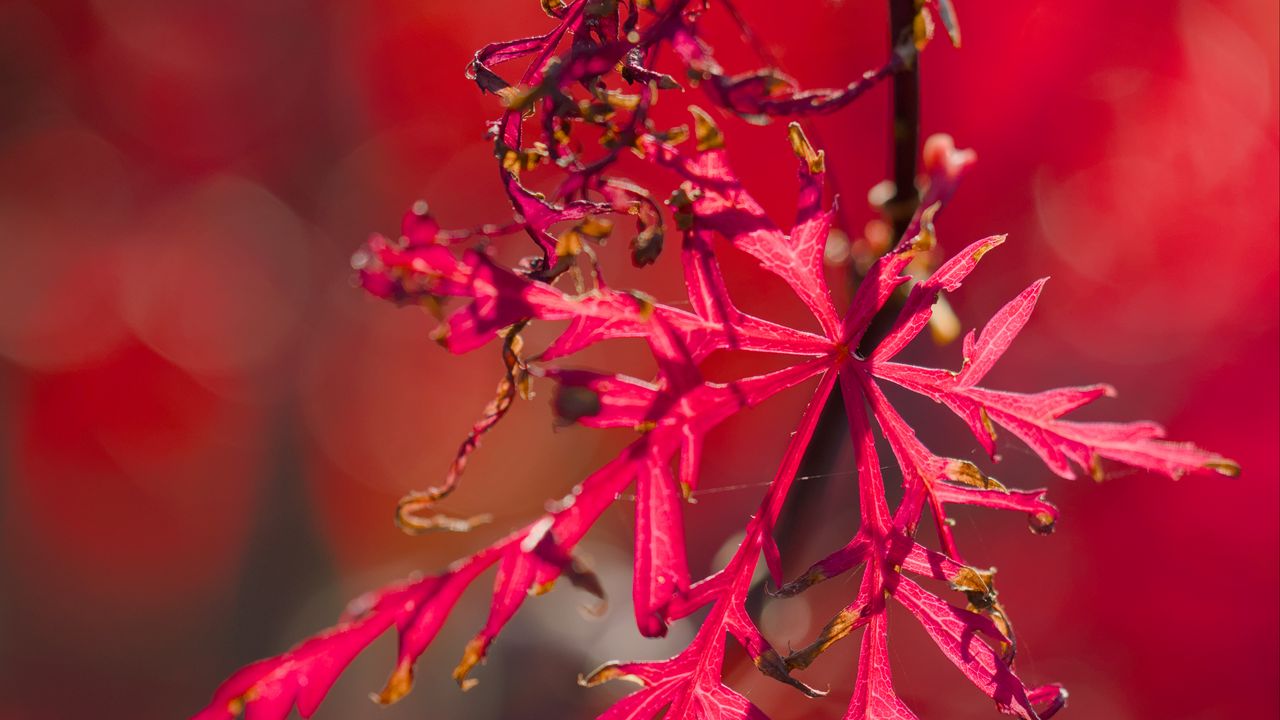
(673,413)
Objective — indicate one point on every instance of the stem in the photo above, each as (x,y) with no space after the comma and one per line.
(904,125)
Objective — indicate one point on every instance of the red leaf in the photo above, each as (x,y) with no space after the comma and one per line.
(1035,418)
(569,83)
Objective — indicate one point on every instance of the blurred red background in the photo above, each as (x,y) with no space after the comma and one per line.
(206,428)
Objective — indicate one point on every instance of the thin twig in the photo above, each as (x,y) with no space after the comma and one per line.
(904,124)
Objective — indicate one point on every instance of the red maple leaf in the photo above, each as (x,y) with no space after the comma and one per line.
(479,301)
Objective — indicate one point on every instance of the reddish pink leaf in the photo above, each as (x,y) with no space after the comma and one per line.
(873,695)
(1035,418)
(723,206)
(957,633)
(568,82)
(660,571)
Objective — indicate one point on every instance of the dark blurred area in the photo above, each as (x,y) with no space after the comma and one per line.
(206,428)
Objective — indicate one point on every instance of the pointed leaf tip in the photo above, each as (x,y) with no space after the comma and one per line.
(1042,522)
(966,473)
(398,685)
(772,665)
(991,243)
(844,622)
(977,585)
(800,584)
(705,130)
(472,655)
(611,670)
(947,14)
(1224,466)
(815,160)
